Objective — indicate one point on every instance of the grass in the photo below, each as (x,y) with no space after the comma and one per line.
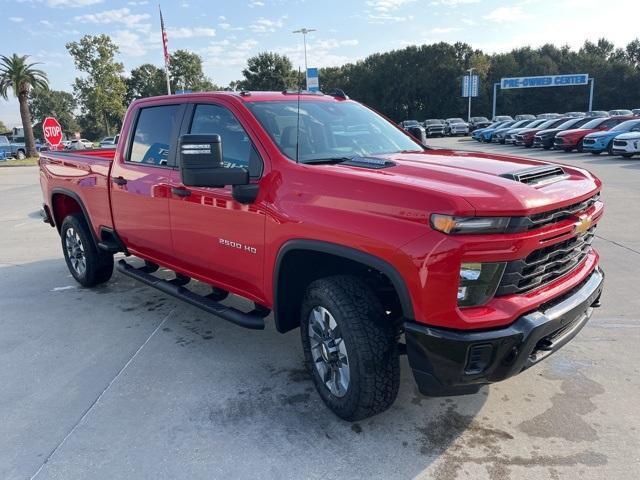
(14,162)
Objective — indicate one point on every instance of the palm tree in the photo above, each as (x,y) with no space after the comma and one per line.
(21,77)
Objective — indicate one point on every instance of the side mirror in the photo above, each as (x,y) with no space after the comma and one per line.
(201,163)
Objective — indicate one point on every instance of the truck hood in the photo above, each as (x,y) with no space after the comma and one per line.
(577,131)
(601,134)
(476,178)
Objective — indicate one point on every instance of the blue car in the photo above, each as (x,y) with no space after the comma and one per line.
(598,142)
(477,134)
(5,148)
(487,133)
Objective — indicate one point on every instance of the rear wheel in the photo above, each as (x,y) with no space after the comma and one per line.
(350,347)
(20,155)
(88,264)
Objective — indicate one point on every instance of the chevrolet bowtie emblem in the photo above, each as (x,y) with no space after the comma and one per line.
(584,224)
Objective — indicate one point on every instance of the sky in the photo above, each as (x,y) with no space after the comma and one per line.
(226,32)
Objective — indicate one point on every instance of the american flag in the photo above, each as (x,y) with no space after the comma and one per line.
(165,47)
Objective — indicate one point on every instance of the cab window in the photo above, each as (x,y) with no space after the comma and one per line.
(237,149)
(154,134)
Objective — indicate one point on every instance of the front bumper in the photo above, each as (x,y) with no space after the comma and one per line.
(454,362)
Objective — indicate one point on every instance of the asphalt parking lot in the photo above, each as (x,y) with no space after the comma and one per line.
(123,382)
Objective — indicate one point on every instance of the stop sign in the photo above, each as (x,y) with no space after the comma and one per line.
(52,131)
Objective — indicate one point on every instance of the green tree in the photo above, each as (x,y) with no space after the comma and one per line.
(3,127)
(21,77)
(269,71)
(54,103)
(186,73)
(147,80)
(101,92)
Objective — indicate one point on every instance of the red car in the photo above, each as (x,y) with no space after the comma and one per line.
(317,209)
(526,137)
(572,139)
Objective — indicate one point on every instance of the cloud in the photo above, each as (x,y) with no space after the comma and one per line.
(256,3)
(443,30)
(72,3)
(386,6)
(382,11)
(121,15)
(188,32)
(131,44)
(506,15)
(453,3)
(16,19)
(264,25)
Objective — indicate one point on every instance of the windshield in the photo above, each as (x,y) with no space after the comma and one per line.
(625,126)
(594,123)
(574,122)
(480,119)
(455,120)
(432,122)
(329,130)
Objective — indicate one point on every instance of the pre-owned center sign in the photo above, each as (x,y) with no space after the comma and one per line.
(545,81)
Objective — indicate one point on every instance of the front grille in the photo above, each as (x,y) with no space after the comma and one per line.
(558,141)
(588,141)
(619,143)
(519,138)
(538,220)
(545,265)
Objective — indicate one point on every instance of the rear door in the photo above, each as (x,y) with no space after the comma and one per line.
(214,236)
(140,179)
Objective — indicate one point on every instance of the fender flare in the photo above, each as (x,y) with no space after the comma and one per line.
(76,197)
(350,254)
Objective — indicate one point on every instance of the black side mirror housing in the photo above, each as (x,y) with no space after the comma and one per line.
(201,163)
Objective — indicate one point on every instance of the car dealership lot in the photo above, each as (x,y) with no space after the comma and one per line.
(125,382)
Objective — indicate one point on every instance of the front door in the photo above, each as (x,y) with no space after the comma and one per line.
(141,187)
(213,235)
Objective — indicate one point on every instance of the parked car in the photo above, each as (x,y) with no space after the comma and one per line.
(598,142)
(573,139)
(79,144)
(574,114)
(478,122)
(109,142)
(455,126)
(502,118)
(434,127)
(620,112)
(499,134)
(253,209)
(627,144)
(525,116)
(510,135)
(526,136)
(597,113)
(545,138)
(477,134)
(5,148)
(549,116)
(19,149)
(636,111)
(408,123)
(487,133)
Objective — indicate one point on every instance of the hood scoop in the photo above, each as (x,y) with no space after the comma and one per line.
(369,162)
(538,175)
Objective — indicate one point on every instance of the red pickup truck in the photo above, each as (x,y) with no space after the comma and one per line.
(317,209)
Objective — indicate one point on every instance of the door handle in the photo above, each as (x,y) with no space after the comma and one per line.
(119,180)
(181,192)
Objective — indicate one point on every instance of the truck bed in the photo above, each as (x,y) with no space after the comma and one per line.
(84,174)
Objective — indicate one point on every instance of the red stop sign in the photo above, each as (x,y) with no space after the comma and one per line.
(52,131)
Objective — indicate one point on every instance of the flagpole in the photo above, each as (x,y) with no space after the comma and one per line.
(167,58)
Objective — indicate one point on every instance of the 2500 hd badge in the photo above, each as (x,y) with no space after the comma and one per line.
(239,246)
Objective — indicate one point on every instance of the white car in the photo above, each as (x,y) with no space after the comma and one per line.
(456,126)
(627,144)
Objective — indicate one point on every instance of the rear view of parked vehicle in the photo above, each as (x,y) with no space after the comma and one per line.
(598,142)
(620,111)
(502,118)
(525,116)
(597,113)
(478,122)
(574,114)
(549,116)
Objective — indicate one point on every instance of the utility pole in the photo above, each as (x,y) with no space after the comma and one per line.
(304,32)
(469,91)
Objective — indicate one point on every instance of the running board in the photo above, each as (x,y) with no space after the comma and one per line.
(253,320)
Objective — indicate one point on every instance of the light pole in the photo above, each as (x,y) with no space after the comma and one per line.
(304,32)
(469,90)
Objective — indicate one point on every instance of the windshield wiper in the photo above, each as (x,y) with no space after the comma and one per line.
(327,160)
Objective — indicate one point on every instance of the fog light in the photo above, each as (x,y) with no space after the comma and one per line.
(479,359)
(478,282)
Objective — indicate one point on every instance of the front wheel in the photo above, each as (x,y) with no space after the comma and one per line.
(350,347)
(89,265)
(20,155)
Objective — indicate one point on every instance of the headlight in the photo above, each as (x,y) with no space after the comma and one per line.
(452,225)
(478,282)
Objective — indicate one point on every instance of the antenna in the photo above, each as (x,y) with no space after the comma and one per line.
(298,119)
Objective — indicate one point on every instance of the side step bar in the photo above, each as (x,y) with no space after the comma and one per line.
(253,320)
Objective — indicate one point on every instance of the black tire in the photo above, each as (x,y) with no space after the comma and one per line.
(627,155)
(596,152)
(568,150)
(369,338)
(580,147)
(610,148)
(21,155)
(98,264)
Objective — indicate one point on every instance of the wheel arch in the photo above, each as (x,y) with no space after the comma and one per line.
(65,202)
(290,278)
